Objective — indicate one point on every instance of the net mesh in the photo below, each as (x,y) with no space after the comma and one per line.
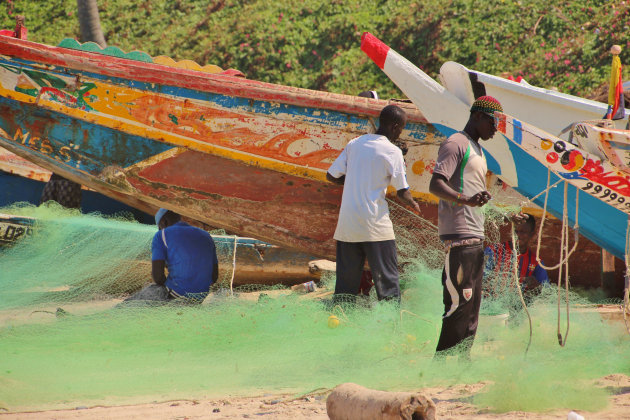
(65,343)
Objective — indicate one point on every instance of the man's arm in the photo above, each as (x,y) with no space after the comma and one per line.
(215,273)
(405,195)
(339,180)
(439,187)
(157,272)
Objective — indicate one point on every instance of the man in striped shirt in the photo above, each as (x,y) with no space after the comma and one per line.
(500,257)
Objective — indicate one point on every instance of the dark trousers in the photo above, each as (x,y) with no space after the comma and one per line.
(461,279)
(383,261)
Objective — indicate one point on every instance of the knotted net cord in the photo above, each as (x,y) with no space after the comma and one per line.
(565,224)
(515,254)
(565,253)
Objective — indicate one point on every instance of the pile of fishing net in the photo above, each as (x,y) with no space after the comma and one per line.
(66,342)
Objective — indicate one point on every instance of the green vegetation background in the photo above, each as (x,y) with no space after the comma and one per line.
(315,43)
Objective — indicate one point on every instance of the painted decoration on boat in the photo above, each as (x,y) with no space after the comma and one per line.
(601,219)
(13,228)
(228,151)
(113,51)
(611,143)
(595,176)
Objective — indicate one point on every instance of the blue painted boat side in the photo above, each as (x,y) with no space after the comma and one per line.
(309,115)
(19,189)
(89,147)
(599,222)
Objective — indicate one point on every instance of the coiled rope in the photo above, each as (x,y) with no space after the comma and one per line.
(565,253)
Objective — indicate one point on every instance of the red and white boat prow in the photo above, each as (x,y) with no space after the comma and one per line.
(438,105)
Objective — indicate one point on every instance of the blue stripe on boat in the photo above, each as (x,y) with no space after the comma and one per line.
(310,115)
(532,176)
(518,131)
(105,144)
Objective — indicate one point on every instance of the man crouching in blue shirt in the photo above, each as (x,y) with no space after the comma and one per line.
(190,256)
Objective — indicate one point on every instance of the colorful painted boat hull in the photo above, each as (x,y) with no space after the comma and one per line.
(242,155)
(505,157)
(549,110)
(610,144)
(600,191)
(22,181)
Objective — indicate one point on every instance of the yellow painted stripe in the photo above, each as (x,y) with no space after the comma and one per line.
(141,130)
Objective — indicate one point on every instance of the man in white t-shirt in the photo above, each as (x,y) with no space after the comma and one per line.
(366,167)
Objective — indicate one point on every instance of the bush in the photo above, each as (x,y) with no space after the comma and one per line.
(315,44)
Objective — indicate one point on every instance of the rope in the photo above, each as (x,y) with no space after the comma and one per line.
(565,254)
(565,225)
(531,200)
(233,267)
(515,252)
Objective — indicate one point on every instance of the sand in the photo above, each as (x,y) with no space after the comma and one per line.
(452,403)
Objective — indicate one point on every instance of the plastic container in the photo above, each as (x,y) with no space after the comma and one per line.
(307,287)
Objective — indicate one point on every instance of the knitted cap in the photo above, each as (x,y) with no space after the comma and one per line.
(486,104)
(158,216)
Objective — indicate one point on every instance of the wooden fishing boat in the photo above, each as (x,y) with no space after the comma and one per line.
(600,191)
(605,142)
(601,219)
(23,181)
(246,156)
(550,110)
(255,262)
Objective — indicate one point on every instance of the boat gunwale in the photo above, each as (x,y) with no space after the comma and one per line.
(152,73)
(557,98)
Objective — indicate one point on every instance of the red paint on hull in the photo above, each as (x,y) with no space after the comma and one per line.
(190,79)
(269,205)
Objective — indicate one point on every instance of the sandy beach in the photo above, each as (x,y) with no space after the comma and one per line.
(452,403)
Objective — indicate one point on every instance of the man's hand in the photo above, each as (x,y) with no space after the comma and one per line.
(439,186)
(338,181)
(405,195)
(477,200)
(518,218)
(530,283)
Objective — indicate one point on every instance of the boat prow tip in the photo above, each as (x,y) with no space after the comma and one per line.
(374,48)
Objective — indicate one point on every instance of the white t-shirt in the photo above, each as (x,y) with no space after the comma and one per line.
(370,163)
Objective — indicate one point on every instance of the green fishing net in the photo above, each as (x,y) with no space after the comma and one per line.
(65,343)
